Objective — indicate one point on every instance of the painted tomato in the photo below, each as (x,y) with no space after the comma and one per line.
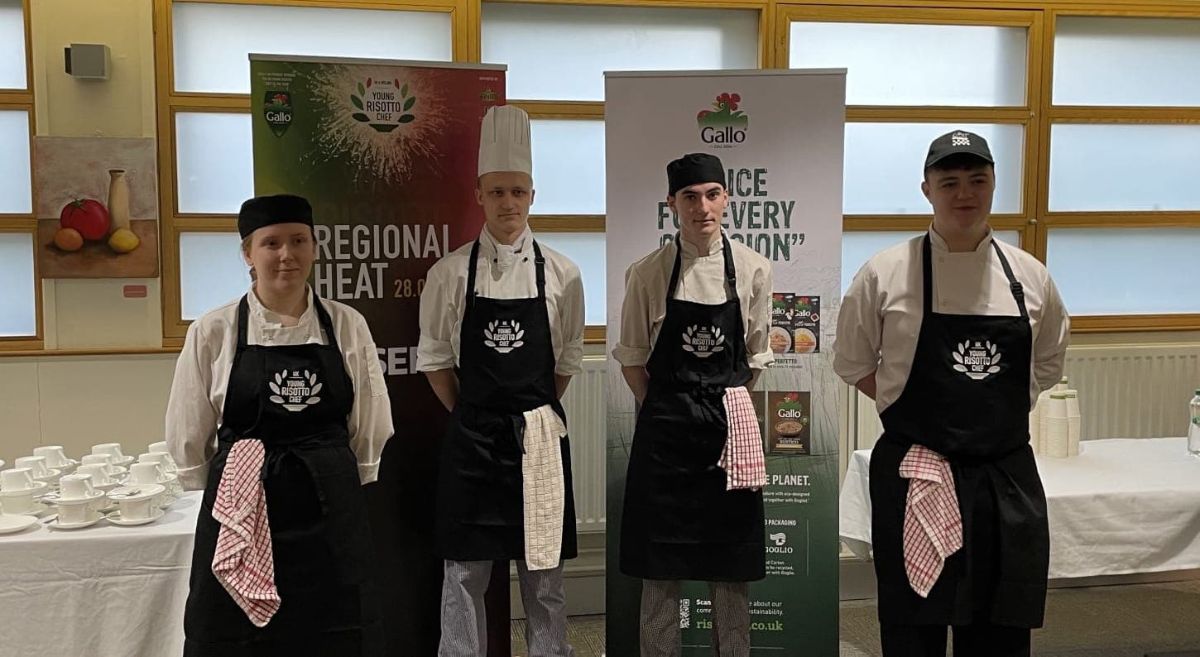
(88,217)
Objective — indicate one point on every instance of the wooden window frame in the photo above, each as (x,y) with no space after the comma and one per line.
(22,100)
(1036,118)
(464,18)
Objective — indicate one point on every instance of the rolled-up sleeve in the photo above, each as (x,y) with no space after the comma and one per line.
(758,321)
(1054,334)
(856,347)
(633,348)
(370,420)
(570,323)
(191,419)
(435,350)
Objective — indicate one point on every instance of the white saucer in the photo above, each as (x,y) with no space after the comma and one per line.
(55,499)
(39,488)
(58,524)
(11,524)
(116,519)
(52,474)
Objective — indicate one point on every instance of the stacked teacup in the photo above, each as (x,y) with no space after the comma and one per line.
(137,504)
(78,502)
(37,465)
(56,458)
(148,472)
(113,450)
(19,491)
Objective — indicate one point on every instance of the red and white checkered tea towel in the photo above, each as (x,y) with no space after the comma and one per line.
(742,459)
(244,561)
(932,520)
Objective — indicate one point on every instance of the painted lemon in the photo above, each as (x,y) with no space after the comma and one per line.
(123,240)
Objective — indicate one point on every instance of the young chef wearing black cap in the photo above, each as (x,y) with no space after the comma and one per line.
(958,512)
(694,324)
(279,411)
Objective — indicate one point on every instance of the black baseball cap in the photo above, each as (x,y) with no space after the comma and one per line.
(956,143)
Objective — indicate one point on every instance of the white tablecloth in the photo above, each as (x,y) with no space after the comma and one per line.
(1122,506)
(105,590)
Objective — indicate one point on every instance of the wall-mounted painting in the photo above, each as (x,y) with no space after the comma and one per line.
(97,207)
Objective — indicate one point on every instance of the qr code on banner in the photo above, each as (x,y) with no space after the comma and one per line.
(685,613)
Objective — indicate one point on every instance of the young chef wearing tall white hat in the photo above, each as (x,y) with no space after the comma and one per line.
(694,328)
(991,333)
(501,336)
(279,411)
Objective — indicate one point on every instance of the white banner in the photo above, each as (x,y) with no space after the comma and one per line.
(780,136)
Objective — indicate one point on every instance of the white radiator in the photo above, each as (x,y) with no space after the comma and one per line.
(1124,392)
(587,409)
(1134,392)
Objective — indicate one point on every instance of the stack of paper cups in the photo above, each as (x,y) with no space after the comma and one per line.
(1056,435)
(1062,385)
(1073,422)
(1035,422)
(1043,412)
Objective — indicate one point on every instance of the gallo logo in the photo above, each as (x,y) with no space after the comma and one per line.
(725,125)
(384,105)
(277,109)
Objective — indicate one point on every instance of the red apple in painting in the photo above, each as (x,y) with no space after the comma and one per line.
(88,217)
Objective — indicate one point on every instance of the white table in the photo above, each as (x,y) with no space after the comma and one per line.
(103,590)
(1122,506)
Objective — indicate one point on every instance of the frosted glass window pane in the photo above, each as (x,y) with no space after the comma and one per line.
(859,246)
(892,64)
(587,251)
(1115,271)
(1126,61)
(215,161)
(560,52)
(885,163)
(16,184)
(568,167)
(18,305)
(213,41)
(12,45)
(1124,167)
(211,271)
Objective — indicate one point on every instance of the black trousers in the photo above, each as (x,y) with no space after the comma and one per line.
(978,640)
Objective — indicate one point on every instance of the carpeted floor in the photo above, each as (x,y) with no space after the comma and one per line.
(1159,620)
(1104,621)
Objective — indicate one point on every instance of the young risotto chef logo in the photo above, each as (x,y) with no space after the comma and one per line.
(503,335)
(703,341)
(724,126)
(295,390)
(382,104)
(978,360)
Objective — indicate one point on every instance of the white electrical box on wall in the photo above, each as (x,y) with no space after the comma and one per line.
(87,61)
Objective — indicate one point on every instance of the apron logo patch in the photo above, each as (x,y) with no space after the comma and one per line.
(295,390)
(978,360)
(503,336)
(703,341)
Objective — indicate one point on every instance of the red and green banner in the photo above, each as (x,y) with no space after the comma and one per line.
(386,153)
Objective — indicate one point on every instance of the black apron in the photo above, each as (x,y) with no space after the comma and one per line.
(967,398)
(506,367)
(315,506)
(679,522)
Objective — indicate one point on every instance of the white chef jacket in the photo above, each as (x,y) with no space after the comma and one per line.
(881,314)
(202,375)
(501,272)
(701,280)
